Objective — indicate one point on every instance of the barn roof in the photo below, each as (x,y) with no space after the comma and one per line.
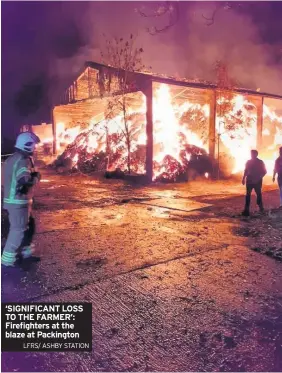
(153,77)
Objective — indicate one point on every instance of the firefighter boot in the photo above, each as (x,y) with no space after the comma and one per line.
(8,259)
(28,253)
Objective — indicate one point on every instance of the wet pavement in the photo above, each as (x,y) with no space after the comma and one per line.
(177,279)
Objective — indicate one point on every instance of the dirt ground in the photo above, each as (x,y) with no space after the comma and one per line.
(178,280)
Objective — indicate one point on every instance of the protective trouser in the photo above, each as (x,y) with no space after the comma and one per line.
(22,229)
(257,187)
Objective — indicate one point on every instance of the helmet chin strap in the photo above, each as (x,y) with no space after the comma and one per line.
(30,154)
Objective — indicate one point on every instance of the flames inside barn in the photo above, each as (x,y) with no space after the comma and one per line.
(166,129)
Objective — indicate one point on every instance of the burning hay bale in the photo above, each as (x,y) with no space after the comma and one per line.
(194,162)
(97,163)
(82,154)
(170,170)
(138,159)
(199,164)
(83,162)
(117,144)
(116,174)
(181,136)
(97,151)
(62,164)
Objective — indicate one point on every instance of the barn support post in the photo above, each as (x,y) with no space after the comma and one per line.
(54,132)
(72,93)
(259,123)
(89,83)
(149,130)
(75,90)
(212,120)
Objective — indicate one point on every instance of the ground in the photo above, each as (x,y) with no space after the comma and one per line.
(177,279)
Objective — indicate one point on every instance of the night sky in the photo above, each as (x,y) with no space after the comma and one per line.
(44,45)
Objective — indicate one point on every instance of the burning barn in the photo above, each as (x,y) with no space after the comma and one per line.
(45,132)
(143,124)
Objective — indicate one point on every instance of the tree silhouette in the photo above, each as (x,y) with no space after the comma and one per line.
(126,57)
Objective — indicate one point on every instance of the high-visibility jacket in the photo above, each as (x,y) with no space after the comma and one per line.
(17,167)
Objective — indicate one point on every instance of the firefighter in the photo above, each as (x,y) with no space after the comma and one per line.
(254,172)
(278,171)
(19,179)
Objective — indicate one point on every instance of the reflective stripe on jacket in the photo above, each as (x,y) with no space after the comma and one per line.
(16,167)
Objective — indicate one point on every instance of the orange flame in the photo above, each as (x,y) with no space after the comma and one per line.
(171,133)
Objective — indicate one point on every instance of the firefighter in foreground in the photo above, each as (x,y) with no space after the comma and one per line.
(254,172)
(278,171)
(19,179)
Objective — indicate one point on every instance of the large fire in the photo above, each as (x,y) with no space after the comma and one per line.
(168,130)
(237,129)
(180,127)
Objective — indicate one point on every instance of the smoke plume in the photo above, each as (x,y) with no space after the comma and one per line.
(54,39)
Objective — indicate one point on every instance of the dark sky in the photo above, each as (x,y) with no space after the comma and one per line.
(44,45)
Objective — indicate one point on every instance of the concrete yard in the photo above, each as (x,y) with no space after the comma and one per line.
(177,279)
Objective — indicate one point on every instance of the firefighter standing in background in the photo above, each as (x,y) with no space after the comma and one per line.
(254,172)
(19,178)
(278,171)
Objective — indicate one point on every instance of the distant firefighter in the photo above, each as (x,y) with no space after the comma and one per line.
(254,172)
(278,171)
(19,179)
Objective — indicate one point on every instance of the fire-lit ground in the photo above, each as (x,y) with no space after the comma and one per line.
(176,277)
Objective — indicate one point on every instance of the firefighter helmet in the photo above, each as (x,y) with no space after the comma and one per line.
(26,141)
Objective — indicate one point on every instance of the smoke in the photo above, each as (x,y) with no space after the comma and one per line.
(108,20)
(235,39)
(54,39)
(188,49)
